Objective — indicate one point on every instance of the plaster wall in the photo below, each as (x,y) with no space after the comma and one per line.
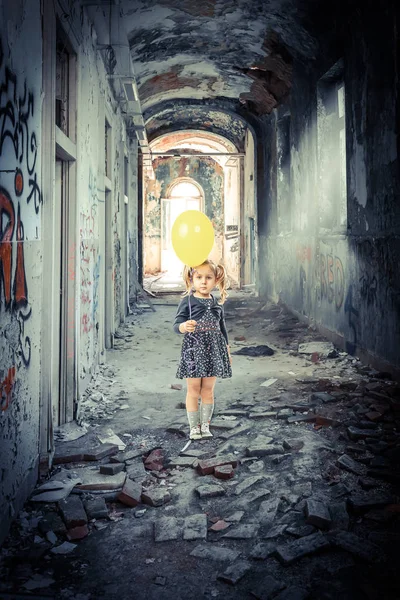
(342,276)
(232,222)
(105,226)
(249,213)
(209,175)
(21,272)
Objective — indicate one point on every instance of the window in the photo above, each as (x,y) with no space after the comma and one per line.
(65,84)
(331,119)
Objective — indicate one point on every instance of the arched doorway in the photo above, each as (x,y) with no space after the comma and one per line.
(183,194)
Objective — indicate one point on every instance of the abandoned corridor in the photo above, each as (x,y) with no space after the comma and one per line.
(279,122)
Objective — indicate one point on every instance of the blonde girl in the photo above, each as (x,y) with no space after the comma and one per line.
(205,351)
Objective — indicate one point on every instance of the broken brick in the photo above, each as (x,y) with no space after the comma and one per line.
(347,463)
(235,572)
(156,497)
(73,512)
(101,452)
(207,466)
(155,460)
(293,551)
(112,468)
(294,445)
(96,508)
(77,533)
(317,514)
(131,493)
(210,491)
(224,472)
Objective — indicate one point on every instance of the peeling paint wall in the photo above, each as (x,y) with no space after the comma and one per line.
(249,216)
(102,220)
(340,270)
(21,207)
(209,175)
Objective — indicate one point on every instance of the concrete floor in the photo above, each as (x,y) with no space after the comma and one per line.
(358,519)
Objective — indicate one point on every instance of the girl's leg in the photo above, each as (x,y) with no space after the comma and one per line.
(207,404)
(192,406)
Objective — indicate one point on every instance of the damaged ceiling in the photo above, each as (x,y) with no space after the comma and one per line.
(231,57)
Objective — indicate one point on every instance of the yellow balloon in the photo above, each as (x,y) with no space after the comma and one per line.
(192,237)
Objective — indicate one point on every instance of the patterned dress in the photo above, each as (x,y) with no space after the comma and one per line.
(204,352)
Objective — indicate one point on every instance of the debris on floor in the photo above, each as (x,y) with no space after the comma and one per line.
(298,487)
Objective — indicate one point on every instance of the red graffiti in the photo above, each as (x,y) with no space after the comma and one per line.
(332,279)
(303,253)
(85,322)
(6,388)
(6,207)
(19,288)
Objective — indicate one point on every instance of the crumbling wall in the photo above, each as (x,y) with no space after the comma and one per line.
(21,208)
(101,212)
(337,265)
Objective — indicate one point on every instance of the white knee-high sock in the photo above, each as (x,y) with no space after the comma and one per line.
(206,411)
(193,418)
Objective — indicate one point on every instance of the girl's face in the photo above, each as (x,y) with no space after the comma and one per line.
(204,280)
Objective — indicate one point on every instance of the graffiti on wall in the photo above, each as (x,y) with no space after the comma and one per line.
(331,279)
(20,200)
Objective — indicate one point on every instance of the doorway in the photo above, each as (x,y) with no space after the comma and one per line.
(184,195)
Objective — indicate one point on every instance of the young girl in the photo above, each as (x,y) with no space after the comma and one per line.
(205,351)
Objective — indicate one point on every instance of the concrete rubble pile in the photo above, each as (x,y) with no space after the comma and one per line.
(256,492)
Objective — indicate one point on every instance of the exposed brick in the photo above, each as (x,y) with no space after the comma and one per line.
(131,493)
(242,532)
(247,483)
(73,511)
(210,491)
(224,472)
(112,468)
(101,452)
(195,527)
(155,460)
(77,533)
(347,463)
(96,508)
(317,514)
(356,433)
(156,497)
(235,572)
(293,445)
(293,551)
(206,467)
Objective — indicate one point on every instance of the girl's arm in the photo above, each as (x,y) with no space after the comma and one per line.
(222,325)
(182,314)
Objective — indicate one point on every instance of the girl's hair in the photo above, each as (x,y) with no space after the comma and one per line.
(220,275)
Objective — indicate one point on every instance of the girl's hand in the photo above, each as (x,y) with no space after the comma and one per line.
(188,326)
(230,357)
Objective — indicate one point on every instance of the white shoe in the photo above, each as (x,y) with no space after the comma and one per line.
(195,433)
(205,430)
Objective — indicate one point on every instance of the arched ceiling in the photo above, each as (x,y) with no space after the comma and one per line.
(190,56)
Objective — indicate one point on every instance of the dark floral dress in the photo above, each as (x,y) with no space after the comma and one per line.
(204,352)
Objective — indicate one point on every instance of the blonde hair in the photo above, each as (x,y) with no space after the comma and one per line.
(219,273)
